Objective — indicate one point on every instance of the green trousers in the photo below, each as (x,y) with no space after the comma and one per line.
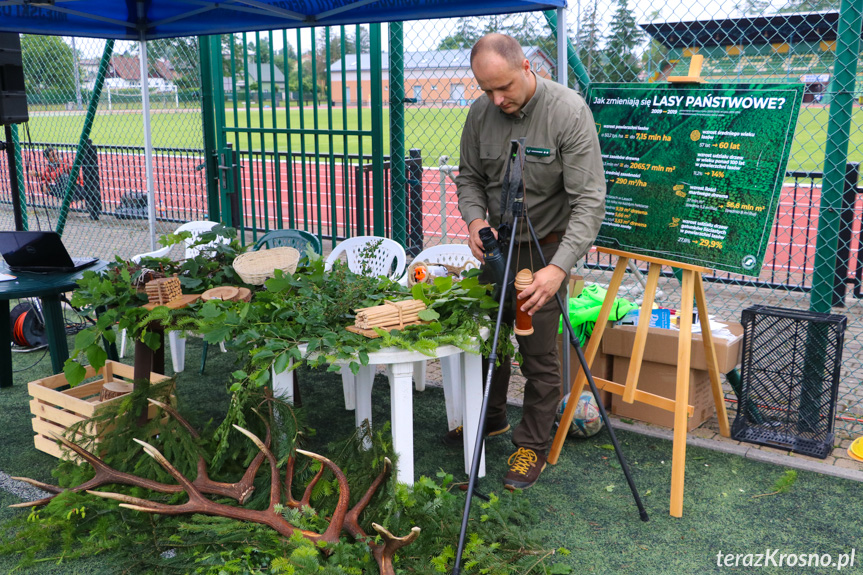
(540,365)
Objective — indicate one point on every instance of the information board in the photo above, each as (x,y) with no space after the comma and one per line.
(694,171)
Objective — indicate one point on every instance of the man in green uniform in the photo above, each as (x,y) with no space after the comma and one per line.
(565,201)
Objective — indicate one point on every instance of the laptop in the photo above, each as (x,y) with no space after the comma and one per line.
(39,252)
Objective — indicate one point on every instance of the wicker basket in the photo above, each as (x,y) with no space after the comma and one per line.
(255,268)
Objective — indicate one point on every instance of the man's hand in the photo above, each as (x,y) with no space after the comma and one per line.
(474,242)
(545,284)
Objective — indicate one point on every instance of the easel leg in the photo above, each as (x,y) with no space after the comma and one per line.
(710,356)
(589,354)
(681,398)
(641,332)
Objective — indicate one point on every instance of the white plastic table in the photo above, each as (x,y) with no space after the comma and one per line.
(462,384)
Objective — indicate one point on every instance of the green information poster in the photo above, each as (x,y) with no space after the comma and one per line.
(694,171)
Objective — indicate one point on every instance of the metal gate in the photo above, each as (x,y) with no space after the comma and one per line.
(297,137)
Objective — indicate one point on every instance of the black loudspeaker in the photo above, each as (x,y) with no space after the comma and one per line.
(13,96)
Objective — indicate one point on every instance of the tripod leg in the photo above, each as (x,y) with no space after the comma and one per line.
(471,399)
(478,446)
(592,346)
(624,465)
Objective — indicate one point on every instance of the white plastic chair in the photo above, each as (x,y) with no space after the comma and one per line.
(160,253)
(453,255)
(197,229)
(388,259)
(177,339)
(379,262)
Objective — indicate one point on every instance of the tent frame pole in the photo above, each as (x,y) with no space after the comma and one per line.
(148,142)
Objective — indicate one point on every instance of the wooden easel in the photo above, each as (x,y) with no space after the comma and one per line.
(692,287)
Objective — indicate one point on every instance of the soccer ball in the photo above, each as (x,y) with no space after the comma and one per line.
(586,420)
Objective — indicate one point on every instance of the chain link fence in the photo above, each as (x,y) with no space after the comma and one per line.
(108,214)
(627,42)
(327,88)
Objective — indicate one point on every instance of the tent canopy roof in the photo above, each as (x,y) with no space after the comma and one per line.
(153,19)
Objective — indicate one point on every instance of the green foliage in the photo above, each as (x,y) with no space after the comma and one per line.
(211,267)
(49,65)
(782,485)
(502,539)
(312,307)
(113,295)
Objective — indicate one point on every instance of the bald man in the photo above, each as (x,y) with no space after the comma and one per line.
(565,201)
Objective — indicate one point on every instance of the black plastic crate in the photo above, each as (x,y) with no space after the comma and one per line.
(790,379)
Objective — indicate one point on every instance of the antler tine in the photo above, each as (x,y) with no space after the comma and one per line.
(80,451)
(352,520)
(275,489)
(136,503)
(337,521)
(385,553)
(189,488)
(289,481)
(43,486)
(34,503)
(248,480)
(307,494)
(175,414)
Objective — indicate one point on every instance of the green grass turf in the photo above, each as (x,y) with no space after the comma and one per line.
(436,131)
(583,500)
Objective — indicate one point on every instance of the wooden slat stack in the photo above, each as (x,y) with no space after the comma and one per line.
(390,314)
(163,290)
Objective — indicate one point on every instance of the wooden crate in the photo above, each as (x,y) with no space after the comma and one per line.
(54,411)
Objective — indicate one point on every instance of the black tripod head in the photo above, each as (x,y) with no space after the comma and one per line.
(512,190)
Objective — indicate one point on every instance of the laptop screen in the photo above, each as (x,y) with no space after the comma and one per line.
(38,251)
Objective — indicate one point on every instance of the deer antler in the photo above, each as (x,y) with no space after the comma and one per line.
(197,503)
(105,475)
(342,518)
(385,553)
(241,490)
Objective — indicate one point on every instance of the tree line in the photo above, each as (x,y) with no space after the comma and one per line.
(611,50)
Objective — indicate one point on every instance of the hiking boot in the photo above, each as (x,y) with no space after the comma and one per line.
(455,437)
(525,465)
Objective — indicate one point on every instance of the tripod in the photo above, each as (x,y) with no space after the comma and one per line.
(512,203)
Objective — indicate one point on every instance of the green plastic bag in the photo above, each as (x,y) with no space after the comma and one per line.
(584,311)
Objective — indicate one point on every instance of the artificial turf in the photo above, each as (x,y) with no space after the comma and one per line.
(583,500)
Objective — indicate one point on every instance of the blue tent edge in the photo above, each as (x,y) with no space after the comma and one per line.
(175,18)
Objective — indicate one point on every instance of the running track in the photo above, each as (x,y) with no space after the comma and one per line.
(181,195)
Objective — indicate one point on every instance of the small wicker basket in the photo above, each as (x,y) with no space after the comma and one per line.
(255,268)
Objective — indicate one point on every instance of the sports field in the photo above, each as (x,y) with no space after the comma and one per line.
(436,131)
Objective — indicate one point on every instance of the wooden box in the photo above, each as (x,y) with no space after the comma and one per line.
(54,410)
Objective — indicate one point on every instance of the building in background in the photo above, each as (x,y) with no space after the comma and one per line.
(124,72)
(433,77)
